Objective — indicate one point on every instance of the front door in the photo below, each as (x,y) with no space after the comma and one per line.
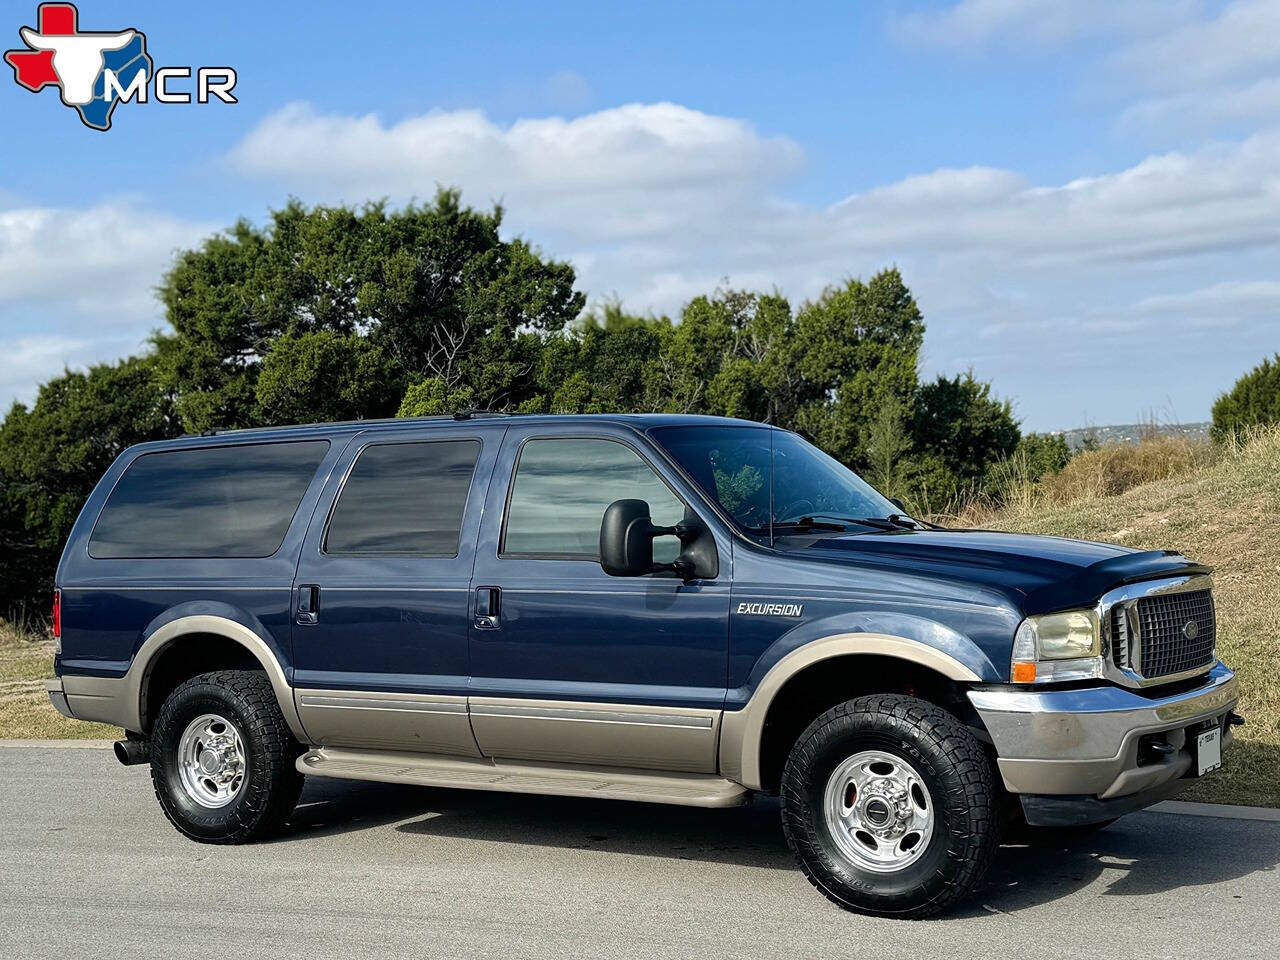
(382,591)
(569,664)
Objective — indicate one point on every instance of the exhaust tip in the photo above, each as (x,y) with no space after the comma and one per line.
(131,752)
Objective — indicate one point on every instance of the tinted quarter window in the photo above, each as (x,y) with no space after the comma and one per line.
(404,498)
(224,501)
(562,488)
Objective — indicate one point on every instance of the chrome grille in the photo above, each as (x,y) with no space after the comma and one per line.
(1118,636)
(1163,622)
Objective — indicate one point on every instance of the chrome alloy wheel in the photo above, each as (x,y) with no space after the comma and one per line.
(211,761)
(879,811)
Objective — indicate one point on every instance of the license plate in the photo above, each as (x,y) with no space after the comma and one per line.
(1208,751)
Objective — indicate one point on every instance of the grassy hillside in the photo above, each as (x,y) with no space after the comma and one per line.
(1222,509)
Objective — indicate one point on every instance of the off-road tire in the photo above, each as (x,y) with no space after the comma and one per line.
(958,774)
(272,782)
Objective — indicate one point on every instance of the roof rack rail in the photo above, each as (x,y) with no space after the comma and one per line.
(471,414)
(459,415)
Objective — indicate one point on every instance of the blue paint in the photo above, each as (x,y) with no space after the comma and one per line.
(567,631)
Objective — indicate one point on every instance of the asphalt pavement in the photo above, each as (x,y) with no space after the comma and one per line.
(90,868)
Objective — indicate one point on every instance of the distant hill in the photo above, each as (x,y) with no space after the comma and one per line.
(1133,432)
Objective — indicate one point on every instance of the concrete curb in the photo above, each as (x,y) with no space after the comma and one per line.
(1226,811)
(57,744)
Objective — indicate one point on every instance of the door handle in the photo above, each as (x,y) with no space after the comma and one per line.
(488,613)
(308,607)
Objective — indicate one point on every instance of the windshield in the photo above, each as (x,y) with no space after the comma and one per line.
(732,466)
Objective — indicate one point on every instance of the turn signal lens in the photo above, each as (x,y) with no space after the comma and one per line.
(1024,673)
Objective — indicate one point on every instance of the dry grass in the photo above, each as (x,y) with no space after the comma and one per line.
(1106,472)
(26,661)
(1218,508)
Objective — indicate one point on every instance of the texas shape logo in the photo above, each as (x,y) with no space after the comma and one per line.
(90,68)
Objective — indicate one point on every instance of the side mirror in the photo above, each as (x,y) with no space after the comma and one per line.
(902,507)
(626,539)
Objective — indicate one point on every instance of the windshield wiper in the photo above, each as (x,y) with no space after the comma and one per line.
(877,523)
(804,523)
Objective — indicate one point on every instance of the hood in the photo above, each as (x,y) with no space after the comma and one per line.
(1048,573)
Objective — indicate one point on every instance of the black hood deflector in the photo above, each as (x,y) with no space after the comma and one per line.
(1085,587)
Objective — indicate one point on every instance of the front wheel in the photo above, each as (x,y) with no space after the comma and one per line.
(889,804)
(222,758)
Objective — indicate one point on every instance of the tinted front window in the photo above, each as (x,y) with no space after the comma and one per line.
(224,501)
(735,465)
(562,488)
(404,498)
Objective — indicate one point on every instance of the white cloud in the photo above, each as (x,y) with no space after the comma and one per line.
(1021,279)
(1240,41)
(87,273)
(973,24)
(652,165)
(1183,67)
(1207,108)
(32,360)
(101,260)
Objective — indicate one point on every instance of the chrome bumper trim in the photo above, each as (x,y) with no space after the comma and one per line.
(58,697)
(1085,741)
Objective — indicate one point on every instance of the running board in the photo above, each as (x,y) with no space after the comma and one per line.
(620,783)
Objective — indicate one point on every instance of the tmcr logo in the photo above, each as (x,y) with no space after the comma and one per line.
(96,70)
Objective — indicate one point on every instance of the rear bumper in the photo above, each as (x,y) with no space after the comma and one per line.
(1085,743)
(58,697)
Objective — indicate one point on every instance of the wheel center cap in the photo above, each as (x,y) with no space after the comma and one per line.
(877,812)
(210,763)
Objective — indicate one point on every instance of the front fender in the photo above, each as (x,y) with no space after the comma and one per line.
(912,639)
(922,634)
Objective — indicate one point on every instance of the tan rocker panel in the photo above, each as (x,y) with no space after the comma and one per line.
(119,701)
(743,730)
(625,735)
(424,723)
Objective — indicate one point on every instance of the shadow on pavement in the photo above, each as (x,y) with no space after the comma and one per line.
(1142,854)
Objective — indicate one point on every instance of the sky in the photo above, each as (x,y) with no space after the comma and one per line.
(1083,196)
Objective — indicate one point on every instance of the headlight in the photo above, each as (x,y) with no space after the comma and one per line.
(1057,646)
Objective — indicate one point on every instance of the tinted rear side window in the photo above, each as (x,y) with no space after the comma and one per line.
(404,498)
(224,501)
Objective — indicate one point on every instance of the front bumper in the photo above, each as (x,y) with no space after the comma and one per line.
(1085,743)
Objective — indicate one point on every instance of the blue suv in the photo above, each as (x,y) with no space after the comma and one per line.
(669,609)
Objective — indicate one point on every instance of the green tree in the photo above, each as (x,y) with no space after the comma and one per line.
(53,453)
(887,449)
(960,432)
(859,346)
(434,287)
(324,375)
(1253,400)
(1043,453)
(433,398)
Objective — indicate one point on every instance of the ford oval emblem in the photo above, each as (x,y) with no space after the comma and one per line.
(1191,630)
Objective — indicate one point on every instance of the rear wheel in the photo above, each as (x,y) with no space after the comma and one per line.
(222,758)
(889,804)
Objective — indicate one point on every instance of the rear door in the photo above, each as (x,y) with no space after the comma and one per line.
(381,595)
(570,664)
